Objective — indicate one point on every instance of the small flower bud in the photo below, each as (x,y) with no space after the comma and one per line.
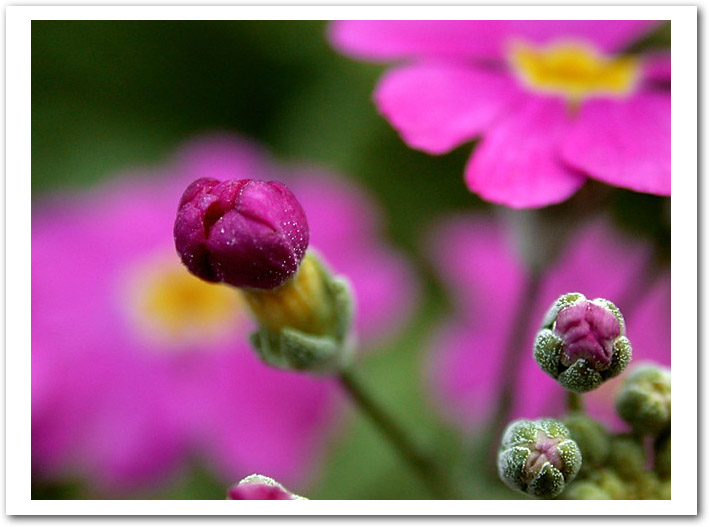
(627,457)
(538,457)
(257,487)
(600,484)
(245,233)
(304,324)
(591,437)
(645,401)
(586,490)
(582,342)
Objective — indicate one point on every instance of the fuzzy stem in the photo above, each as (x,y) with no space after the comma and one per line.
(397,437)
(514,352)
(574,402)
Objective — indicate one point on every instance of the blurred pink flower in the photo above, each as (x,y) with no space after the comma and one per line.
(479,266)
(137,365)
(552,99)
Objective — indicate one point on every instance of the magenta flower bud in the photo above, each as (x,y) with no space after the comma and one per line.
(246,233)
(582,342)
(257,487)
(588,331)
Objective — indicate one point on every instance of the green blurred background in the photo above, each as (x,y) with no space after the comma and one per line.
(111,95)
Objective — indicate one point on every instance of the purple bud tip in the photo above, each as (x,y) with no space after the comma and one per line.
(246,233)
(588,332)
(257,491)
(544,450)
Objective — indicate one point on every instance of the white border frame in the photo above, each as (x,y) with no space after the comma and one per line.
(684,261)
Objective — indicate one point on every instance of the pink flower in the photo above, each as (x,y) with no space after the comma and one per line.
(137,365)
(478,264)
(553,101)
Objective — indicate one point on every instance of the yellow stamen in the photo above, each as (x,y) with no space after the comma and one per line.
(573,70)
(174,306)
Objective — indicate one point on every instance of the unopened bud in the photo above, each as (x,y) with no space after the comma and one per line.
(591,437)
(538,458)
(257,487)
(582,342)
(245,233)
(645,402)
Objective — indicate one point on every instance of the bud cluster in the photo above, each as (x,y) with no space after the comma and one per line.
(582,344)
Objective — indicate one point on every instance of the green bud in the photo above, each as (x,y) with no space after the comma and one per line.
(627,457)
(538,458)
(582,342)
(591,437)
(611,484)
(646,486)
(586,490)
(304,324)
(645,401)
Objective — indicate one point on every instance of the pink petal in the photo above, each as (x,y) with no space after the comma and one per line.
(516,164)
(254,418)
(625,143)
(477,260)
(606,35)
(383,40)
(465,371)
(436,107)
(223,157)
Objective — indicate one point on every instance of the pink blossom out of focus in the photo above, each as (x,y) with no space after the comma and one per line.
(477,261)
(457,82)
(123,406)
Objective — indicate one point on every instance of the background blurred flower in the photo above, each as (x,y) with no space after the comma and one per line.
(479,266)
(553,100)
(137,365)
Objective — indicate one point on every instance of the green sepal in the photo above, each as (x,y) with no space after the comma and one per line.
(622,355)
(294,350)
(547,351)
(548,484)
(580,377)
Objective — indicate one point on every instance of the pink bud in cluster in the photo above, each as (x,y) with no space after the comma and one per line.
(246,233)
(588,331)
(257,487)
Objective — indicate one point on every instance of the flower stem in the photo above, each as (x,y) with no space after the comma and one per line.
(514,352)
(574,402)
(399,440)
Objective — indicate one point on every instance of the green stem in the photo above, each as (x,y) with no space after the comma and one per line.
(399,440)
(574,402)
(514,352)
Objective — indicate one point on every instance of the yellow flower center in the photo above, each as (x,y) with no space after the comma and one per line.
(573,70)
(172,306)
